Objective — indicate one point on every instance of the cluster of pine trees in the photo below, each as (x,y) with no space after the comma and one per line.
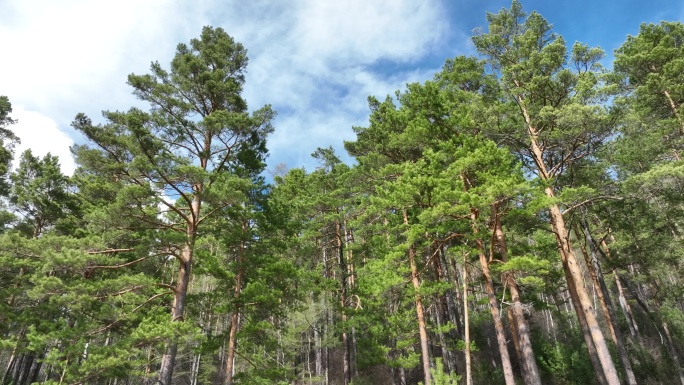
(516,219)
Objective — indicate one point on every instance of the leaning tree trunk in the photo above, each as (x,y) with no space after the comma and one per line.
(586,332)
(673,354)
(493,304)
(519,327)
(570,264)
(606,303)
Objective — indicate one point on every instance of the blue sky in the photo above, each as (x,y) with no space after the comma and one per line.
(315,61)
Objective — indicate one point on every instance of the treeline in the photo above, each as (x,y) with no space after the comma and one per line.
(516,219)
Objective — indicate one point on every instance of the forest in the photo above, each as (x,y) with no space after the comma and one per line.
(517,219)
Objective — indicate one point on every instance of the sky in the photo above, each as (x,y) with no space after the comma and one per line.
(315,61)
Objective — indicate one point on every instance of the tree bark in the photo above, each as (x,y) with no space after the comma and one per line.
(342,261)
(626,309)
(177,314)
(586,332)
(442,314)
(420,313)
(493,303)
(606,303)
(235,316)
(232,345)
(573,271)
(181,290)
(673,353)
(519,327)
(466,323)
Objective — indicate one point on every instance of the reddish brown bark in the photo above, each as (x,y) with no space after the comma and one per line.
(519,327)
(493,304)
(420,312)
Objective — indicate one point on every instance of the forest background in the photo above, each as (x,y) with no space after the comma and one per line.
(515,218)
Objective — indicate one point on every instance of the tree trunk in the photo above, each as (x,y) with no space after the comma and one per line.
(342,261)
(673,353)
(177,313)
(442,315)
(626,309)
(493,304)
(586,332)
(675,111)
(519,326)
(35,369)
(10,365)
(422,330)
(25,368)
(181,290)
(351,283)
(570,265)
(516,343)
(466,323)
(235,316)
(232,345)
(606,303)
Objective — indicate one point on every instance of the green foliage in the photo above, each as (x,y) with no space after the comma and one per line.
(563,363)
(440,377)
(89,264)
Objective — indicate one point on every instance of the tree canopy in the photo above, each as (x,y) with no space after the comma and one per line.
(515,219)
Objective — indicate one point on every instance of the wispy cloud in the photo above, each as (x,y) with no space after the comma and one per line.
(314,61)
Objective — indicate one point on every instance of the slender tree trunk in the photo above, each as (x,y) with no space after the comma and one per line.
(181,290)
(466,323)
(25,368)
(326,331)
(626,309)
(232,345)
(673,353)
(519,326)
(452,309)
(442,315)
(586,333)
(570,265)
(493,303)
(606,303)
(342,261)
(35,369)
(317,353)
(194,374)
(516,343)
(422,330)
(10,364)
(177,314)
(351,283)
(235,316)
(584,304)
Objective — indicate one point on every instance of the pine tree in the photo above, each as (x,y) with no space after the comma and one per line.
(183,149)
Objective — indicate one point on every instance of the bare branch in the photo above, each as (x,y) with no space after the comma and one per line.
(590,200)
(111,251)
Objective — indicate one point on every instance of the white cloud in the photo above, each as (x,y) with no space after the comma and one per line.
(312,60)
(359,31)
(41,134)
